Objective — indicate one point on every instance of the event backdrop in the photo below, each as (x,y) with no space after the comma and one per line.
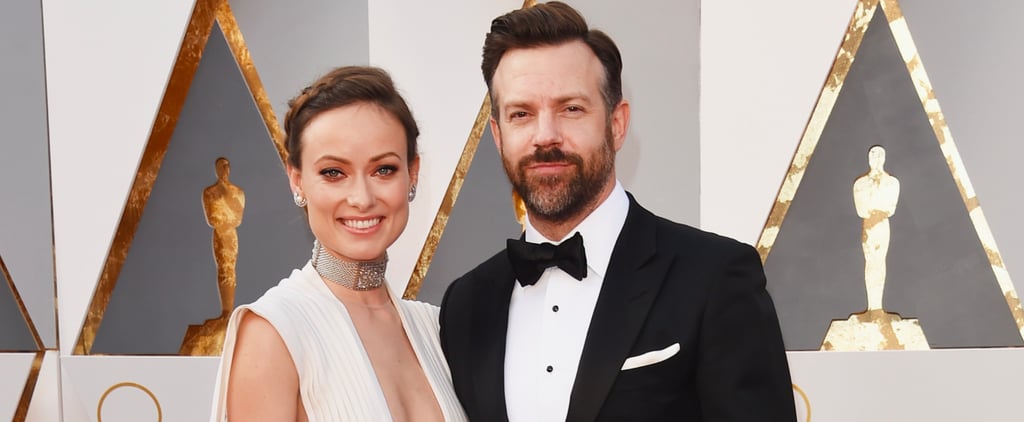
(143,137)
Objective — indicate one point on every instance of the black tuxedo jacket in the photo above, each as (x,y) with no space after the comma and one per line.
(666,283)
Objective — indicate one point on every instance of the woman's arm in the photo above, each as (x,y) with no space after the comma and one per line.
(264,384)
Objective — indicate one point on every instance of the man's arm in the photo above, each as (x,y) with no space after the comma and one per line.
(743,374)
(443,321)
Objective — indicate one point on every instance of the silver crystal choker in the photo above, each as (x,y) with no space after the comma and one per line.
(360,275)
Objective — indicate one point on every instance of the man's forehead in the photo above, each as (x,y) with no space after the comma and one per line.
(556,72)
(575,53)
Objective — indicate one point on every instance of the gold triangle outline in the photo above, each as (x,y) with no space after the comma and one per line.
(419,272)
(21,413)
(204,14)
(862,15)
(26,317)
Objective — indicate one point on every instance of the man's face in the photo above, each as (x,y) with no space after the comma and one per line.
(556,137)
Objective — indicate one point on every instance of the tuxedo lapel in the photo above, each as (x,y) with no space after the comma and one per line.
(634,277)
(490,325)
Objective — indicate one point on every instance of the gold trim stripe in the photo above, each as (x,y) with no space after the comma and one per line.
(189,54)
(233,35)
(21,414)
(412,289)
(908,50)
(454,187)
(816,124)
(22,308)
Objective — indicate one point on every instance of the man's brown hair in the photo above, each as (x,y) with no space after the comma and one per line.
(550,24)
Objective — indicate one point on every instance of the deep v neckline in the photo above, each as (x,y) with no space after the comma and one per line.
(320,284)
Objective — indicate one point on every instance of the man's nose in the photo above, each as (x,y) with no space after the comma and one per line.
(548,130)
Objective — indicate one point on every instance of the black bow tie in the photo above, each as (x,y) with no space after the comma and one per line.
(529,260)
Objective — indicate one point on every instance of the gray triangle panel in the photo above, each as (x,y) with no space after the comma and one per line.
(481,219)
(15,335)
(937,269)
(169,278)
(26,220)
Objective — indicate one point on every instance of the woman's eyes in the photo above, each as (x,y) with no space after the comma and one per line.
(333,173)
(386,170)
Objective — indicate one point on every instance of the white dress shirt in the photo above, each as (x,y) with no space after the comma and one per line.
(548,321)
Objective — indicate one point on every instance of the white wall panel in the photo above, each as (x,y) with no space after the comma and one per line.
(660,45)
(15,367)
(72,407)
(107,63)
(183,386)
(937,385)
(763,65)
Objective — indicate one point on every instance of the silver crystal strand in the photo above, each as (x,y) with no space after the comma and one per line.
(362,275)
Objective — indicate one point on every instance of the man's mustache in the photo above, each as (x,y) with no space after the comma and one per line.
(550,155)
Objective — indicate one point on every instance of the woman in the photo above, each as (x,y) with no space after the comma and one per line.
(331,342)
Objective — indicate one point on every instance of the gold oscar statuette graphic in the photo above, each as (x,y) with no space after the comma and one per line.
(223,204)
(875,196)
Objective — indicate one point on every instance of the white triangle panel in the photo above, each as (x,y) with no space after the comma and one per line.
(107,65)
(15,368)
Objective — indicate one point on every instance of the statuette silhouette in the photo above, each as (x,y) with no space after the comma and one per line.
(875,195)
(223,205)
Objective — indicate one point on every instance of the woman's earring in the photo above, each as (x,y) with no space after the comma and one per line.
(412,193)
(300,201)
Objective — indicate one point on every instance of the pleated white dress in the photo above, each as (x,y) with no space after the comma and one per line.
(336,379)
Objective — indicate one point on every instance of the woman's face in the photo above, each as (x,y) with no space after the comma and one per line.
(356,177)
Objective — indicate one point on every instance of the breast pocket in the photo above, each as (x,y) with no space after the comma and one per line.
(652,370)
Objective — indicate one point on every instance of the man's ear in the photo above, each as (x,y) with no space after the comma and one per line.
(620,123)
(496,131)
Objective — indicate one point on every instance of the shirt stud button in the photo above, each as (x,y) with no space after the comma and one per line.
(550,368)
(554,308)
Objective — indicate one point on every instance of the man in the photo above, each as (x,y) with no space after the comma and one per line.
(632,317)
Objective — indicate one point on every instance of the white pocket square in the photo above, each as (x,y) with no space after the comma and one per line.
(650,358)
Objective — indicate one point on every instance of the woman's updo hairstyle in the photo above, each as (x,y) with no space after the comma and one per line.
(341,87)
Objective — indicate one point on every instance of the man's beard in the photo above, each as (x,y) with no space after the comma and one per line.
(559,198)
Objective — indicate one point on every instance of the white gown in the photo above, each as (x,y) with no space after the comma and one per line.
(336,379)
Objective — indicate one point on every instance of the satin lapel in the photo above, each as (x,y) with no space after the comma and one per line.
(634,277)
(490,325)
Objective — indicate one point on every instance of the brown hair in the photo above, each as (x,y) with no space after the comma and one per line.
(547,24)
(341,87)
